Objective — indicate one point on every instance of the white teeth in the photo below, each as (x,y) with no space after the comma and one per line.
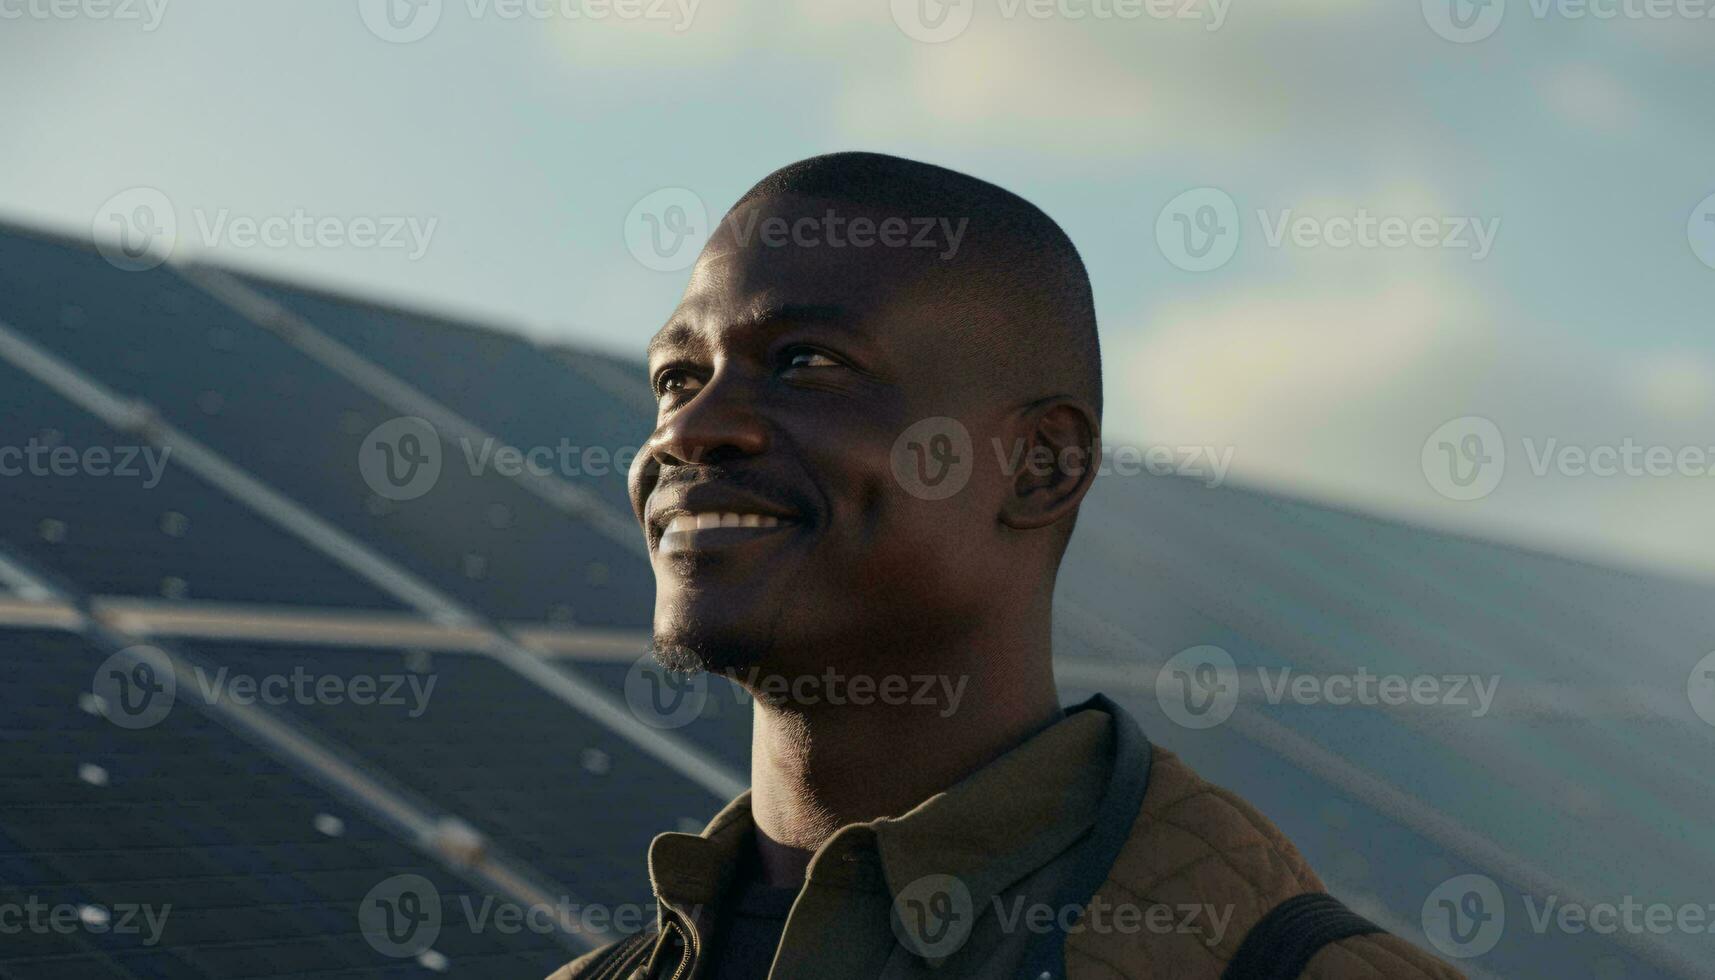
(715,519)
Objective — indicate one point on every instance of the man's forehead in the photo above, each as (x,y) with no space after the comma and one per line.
(695,325)
(737,290)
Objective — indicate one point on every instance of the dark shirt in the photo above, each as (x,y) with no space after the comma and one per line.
(751,927)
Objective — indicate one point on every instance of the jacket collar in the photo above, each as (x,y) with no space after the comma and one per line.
(990,830)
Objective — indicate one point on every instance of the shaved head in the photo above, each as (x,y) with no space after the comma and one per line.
(856,328)
(1014,275)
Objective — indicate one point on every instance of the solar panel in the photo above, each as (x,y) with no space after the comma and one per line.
(557,790)
(501,382)
(289,421)
(119,517)
(246,868)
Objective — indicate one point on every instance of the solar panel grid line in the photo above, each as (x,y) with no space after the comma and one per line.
(678,755)
(406,398)
(1539,774)
(15,611)
(200,831)
(25,585)
(1201,572)
(136,418)
(332,627)
(1412,811)
(1476,609)
(418,822)
(608,377)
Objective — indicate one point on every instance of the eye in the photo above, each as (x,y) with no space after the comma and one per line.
(805,357)
(676,381)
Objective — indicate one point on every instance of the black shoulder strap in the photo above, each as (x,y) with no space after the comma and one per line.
(1280,945)
(620,958)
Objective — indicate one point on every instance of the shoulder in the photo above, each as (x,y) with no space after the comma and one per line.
(1206,866)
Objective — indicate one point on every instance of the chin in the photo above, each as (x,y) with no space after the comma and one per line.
(687,643)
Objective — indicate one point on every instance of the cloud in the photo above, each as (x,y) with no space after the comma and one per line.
(1329,390)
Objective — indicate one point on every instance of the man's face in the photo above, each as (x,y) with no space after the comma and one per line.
(784,379)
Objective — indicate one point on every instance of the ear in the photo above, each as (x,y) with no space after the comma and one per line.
(1058,444)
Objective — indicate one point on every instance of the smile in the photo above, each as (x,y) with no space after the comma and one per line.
(714,529)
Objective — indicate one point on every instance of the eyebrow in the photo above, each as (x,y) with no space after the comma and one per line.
(680,333)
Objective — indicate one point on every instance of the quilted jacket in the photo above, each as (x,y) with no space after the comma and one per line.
(1085,853)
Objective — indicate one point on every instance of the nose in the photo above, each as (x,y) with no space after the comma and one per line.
(720,422)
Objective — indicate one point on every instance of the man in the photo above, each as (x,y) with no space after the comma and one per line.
(818,511)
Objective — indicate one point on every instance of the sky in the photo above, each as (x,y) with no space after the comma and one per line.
(1438,260)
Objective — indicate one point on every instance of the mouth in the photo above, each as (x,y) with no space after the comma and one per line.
(688,531)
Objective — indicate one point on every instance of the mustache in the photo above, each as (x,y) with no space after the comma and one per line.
(767,486)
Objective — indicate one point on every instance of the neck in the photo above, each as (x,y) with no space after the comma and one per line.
(817,768)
